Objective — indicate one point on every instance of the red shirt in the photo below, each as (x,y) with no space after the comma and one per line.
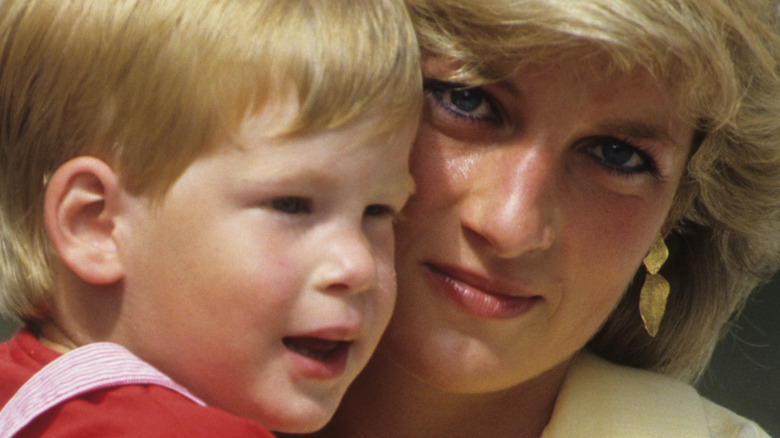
(127,411)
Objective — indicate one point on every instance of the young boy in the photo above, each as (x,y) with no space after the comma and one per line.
(196,207)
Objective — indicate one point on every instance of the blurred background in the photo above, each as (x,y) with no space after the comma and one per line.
(745,371)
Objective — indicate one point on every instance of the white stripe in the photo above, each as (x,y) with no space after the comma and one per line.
(85,369)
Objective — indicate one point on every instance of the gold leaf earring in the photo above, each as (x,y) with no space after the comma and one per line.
(652,298)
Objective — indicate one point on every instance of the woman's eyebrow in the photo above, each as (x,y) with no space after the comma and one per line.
(507,87)
(642,130)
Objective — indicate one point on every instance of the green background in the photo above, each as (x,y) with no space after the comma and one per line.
(745,372)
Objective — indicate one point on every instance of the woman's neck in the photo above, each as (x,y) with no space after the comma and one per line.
(386,401)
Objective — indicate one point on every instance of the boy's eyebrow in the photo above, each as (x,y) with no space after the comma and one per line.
(409,186)
(322,177)
(405,187)
(314,176)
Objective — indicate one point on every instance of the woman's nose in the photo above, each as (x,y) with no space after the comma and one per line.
(348,264)
(510,203)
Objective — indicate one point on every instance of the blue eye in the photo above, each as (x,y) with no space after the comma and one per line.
(471,103)
(617,153)
(466,100)
(619,156)
(291,205)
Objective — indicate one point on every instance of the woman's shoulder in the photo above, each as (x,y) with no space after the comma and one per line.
(600,398)
(725,423)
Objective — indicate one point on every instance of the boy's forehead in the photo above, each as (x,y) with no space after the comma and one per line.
(278,116)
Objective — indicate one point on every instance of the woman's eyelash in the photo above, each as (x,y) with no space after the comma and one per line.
(475,105)
(620,156)
(469,103)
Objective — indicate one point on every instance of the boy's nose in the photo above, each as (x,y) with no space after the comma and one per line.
(348,265)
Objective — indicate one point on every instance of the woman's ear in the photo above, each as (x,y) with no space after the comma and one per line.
(80,205)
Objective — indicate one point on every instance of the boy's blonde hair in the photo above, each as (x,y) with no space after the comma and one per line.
(150,85)
(721,57)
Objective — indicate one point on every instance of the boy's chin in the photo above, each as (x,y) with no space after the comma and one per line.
(305,417)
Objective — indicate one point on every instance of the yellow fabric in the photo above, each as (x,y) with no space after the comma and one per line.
(601,399)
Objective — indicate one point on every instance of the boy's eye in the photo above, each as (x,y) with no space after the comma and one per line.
(379,210)
(619,156)
(292,205)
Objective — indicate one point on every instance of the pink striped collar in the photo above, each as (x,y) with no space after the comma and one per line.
(85,369)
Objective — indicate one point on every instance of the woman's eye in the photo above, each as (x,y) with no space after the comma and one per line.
(472,103)
(291,205)
(619,156)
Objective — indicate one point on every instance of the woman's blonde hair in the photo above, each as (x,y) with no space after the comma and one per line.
(150,85)
(721,57)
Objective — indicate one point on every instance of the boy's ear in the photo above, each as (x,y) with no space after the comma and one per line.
(79,208)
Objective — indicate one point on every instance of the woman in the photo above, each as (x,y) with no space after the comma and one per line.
(563,142)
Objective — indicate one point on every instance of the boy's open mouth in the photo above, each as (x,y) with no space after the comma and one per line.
(316,348)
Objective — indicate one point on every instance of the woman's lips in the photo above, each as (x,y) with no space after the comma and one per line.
(476,295)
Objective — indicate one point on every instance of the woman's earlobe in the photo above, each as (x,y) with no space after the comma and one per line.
(79,210)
